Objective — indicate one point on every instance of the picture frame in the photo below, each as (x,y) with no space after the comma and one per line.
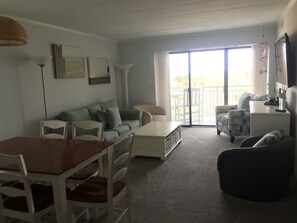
(69,61)
(98,70)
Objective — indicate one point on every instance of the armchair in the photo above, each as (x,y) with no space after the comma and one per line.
(151,113)
(260,173)
(234,120)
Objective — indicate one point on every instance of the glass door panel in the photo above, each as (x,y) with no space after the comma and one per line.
(207,85)
(179,85)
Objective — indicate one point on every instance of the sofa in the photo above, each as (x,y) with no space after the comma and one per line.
(234,120)
(118,123)
(257,173)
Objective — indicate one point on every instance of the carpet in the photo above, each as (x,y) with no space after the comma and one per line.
(185,187)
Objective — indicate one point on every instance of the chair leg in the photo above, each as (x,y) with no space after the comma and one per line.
(2,219)
(232,139)
(129,215)
(218,132)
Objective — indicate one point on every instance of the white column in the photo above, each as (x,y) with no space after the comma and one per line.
(124,71)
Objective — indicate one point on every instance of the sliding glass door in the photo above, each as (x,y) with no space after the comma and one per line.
(201,80)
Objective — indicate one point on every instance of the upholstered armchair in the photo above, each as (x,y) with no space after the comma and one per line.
(234,120)
(151,113)
(257,173)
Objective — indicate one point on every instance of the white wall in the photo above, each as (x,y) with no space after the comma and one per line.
(288,24)
(21,99)
(140,53)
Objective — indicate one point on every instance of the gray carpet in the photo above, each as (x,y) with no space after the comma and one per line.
(185,187)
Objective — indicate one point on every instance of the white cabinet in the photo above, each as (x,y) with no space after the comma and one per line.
(265,119)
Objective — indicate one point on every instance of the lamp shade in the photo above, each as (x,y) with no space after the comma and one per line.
(41,60)
(12,33)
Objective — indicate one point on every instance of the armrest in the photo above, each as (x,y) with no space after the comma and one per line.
(157,110)
(146,117)
(130,115)
(224,108)
(239,113)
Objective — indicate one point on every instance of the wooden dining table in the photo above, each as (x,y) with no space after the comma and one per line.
(53,161)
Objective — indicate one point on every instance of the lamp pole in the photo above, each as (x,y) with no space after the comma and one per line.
(41,61)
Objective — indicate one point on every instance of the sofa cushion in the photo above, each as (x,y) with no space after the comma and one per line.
(269,138)
(109,104)
(93,111)
(75,115)
(131,123)
(110,135)
(122,129)
(113,118)
(244,101)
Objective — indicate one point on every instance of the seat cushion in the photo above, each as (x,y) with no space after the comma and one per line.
(159,117)
(94,190)
(86,172)
(131,123)
(42,196)
(110,135)
(123,129)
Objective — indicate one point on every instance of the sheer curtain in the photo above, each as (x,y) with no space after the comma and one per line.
(162,81)
(260,68)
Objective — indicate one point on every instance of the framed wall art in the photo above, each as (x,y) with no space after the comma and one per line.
(98,70)
(69,61)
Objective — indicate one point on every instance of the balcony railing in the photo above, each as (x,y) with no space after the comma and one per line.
(203,101)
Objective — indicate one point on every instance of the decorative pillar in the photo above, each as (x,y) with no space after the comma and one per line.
(124,69)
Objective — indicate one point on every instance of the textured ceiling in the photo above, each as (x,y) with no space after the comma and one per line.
(134,19)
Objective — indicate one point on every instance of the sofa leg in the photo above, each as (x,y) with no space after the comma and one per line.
(232,139)
(218,132)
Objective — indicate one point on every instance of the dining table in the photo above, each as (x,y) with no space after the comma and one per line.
(53,161)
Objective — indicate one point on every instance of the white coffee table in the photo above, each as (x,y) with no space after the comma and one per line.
(156,139)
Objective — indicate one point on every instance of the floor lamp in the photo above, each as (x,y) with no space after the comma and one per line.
(125,70)
(41,62)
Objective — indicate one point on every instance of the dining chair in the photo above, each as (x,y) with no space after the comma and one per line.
(106,192)
(21,200)
(82,130)
(53,129)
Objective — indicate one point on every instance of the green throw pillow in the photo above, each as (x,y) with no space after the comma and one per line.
(93,111)
(113,118)
(269,138)
(109,104)
(244,101)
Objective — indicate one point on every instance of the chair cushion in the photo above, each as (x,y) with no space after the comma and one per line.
(86,172)
(269,138)
(113,117)
(42,196)
(244,101)
(94,190)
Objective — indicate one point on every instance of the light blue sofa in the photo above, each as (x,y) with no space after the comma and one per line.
(118,123)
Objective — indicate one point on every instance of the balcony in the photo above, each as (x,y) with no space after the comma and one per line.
(203,101)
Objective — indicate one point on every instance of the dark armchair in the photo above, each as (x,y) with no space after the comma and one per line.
(260,173)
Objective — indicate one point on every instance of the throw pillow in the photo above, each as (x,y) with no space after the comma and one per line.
(109,104)
(269,138)
(113,118)
(101,117)
(244,101)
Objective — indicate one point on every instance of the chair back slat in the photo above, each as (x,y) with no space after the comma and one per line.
(120,174)
(88,125)
(47,128)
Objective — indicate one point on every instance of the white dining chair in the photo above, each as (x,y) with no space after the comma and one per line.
(106,192)
(82,130)
(21,200)
(53,129)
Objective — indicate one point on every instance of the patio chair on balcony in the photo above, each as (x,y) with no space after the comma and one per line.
(234,120)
